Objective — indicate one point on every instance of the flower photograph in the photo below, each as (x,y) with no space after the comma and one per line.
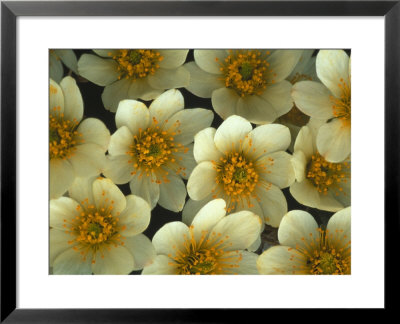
(199,161)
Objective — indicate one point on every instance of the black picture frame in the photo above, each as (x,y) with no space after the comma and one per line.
(11,10)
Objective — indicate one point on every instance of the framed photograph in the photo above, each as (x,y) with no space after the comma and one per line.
(197,137)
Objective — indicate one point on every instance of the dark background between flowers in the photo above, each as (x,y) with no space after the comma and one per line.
(93,107)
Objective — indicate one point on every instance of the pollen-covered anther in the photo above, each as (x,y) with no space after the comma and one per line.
(326,175)
(63,136)
(246,72)
(341,106)
(137,63)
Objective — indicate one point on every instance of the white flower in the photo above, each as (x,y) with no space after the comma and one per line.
(98,230)
(248,83)
(307,249)
(213,244)
(77,147)
(152,149)
(319,183)
(244,166)
(329,101)
(134,73)
(66,56)
(304,70)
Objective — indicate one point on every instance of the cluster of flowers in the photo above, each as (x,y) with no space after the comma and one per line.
(286,124)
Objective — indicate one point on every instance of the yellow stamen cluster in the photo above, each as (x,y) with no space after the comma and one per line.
(342,106)
(327,254)
(94,229)
(63,136)
(326,175)
(153,148)
(238,176)
(205,256)
(138,63)
(246,72)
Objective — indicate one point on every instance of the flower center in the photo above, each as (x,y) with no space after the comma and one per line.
(328,253)
(137,64)
(326,175)
(238,177)
(205,256)
(246,72)
(94,229)
(153,148)
(342,106)
(63,136)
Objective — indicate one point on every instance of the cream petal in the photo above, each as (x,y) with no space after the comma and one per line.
(106,52)
(299,164)
(339,228)
(282,63)
(224,102)
(88,160)
(248,264)
(146,187)
(120,141)
(71,262)
(304,143)
(68,57)
(297,229)
(267,139)
(119,168)
(58,243)
(313,99)
(172,194)
(62,211)
(332,66)
(251,205)
(113,260)
(140,88)
(279,97)
(329,202)
(305,193)
(73,103)
(136,216)
(142,250)
(202,84)
(210,60)
(344,197)
(256,110)
(56,97)
(106,192)
(192,207)
(208,216)
(98,70)
(304,64)
(82,189)
(204,146)
(61,177)
(185,162)
(202,181)
(187,123)
(114,93)
(231,134)
(94,131)
(172,58)
(132,114)
(169,78)
(334,140)
(280,260)
(238,230)
(273,204)
(279,169)
(161,265)
(166,105)
(56,69)
(170,238)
